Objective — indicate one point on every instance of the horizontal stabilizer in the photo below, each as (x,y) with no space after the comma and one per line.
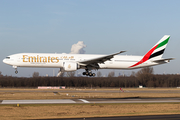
(163,60)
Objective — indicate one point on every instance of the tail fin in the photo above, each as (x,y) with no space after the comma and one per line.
(159,48)
(156,52)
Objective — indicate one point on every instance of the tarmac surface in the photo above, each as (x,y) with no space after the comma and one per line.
(85,101)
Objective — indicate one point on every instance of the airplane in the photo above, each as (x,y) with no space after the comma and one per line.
(73,62)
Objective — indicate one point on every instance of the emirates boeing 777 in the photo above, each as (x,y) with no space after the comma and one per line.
(73,62)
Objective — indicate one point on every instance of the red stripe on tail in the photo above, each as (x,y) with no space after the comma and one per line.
(146,57)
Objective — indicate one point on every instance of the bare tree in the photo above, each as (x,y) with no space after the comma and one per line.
(145,70)
(133,74)
(144,75)
(111,74)
(99,74)
(1,74)
(35,74)
(70,74)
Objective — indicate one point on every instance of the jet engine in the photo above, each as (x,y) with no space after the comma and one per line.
(70,66)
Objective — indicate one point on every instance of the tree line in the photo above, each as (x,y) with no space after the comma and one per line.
(144,77)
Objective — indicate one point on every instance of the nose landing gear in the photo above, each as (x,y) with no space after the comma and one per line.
(15,67)
(16,72)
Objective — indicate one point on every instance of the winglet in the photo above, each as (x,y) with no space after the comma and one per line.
(121,52)
(116,53)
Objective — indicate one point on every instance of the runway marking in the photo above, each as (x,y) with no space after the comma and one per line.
(85,101)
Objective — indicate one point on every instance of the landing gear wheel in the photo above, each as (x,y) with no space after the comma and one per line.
(16,72)
(90,74)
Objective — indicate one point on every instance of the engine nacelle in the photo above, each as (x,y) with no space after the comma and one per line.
(70,66)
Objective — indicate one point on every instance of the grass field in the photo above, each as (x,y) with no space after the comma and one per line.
(11,112)
(86,93)
(8,112)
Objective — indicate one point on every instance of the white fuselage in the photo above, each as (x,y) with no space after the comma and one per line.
(57,60)
(72,62)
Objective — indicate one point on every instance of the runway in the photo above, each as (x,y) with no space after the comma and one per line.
(85,101)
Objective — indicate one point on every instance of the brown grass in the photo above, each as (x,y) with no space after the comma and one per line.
(85,110)
(24,96)
(94,93)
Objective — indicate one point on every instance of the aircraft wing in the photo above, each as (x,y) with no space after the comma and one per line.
(163,60)
(95,61)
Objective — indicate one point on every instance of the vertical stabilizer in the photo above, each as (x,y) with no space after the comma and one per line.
(156,52)
(160,48)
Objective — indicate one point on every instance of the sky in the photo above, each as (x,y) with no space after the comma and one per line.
(104,26)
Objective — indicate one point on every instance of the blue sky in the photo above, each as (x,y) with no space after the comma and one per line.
(105,26)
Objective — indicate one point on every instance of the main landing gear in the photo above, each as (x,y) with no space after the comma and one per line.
(89,73)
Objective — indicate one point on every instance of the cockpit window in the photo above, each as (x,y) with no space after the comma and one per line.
(7,57)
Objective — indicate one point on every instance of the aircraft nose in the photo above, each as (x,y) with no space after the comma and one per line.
(4,61)
(7,60)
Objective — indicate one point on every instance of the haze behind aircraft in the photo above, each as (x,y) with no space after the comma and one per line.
(73,62)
